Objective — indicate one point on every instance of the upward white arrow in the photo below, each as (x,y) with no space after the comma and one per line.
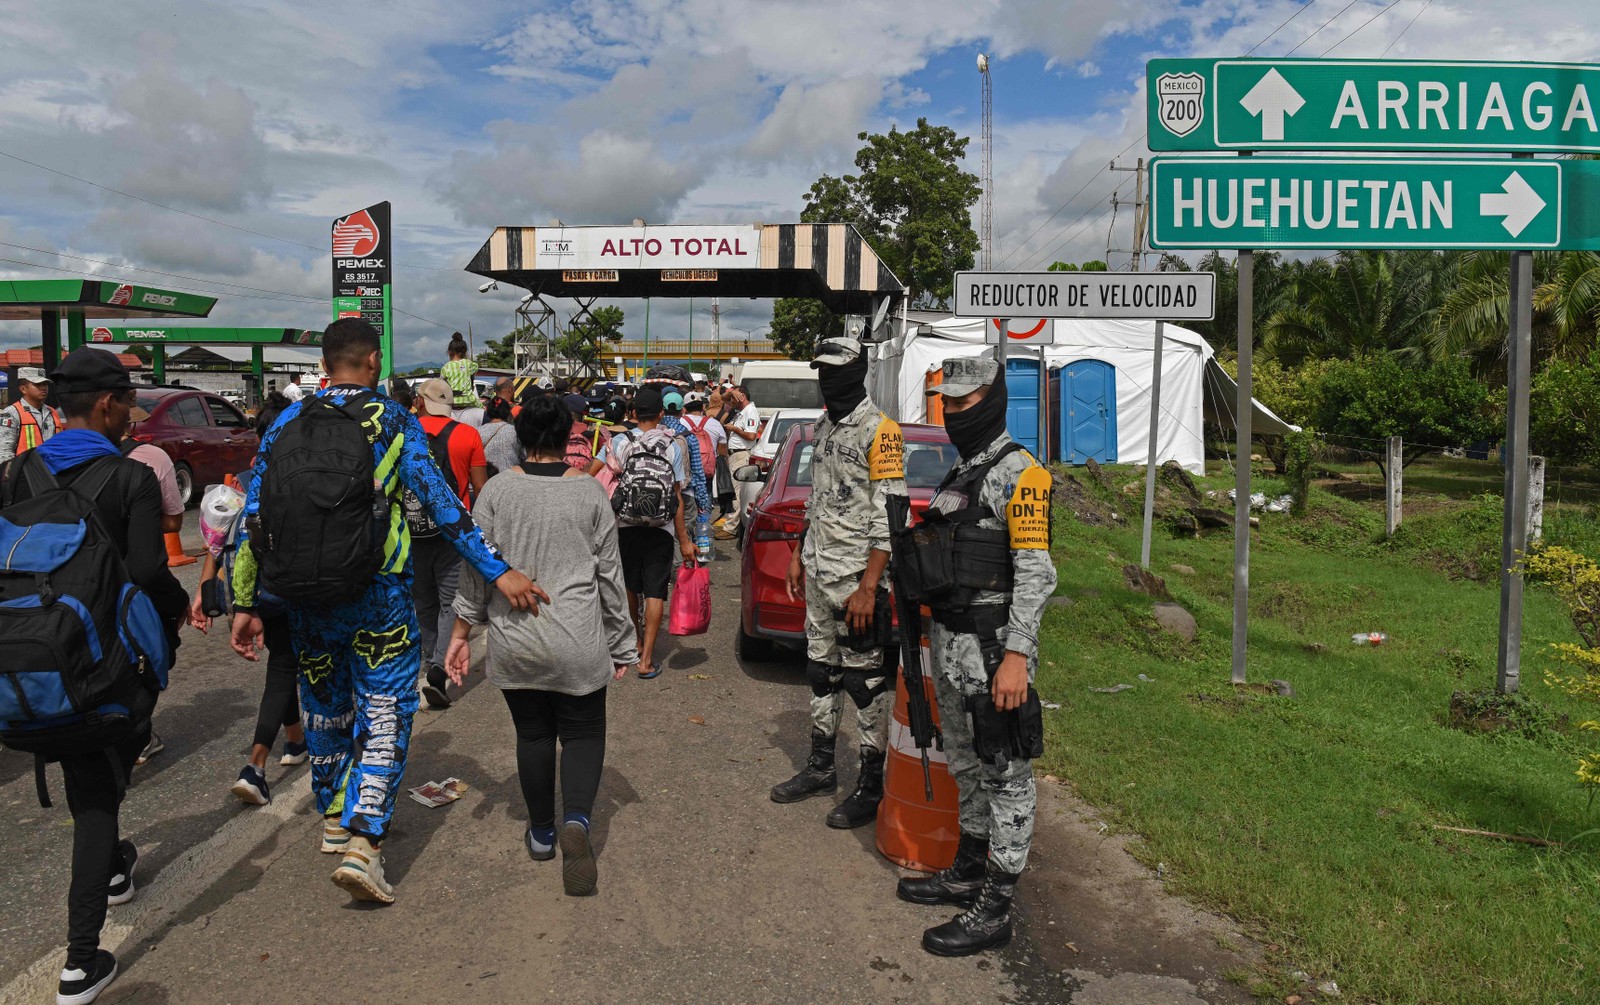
(1517,202)
(1271,99)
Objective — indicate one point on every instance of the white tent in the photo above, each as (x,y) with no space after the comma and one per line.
(1194,387)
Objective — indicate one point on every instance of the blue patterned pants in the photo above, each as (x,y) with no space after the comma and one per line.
(358,690)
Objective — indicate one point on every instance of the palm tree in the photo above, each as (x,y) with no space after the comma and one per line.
(1357,303)
(1474,320)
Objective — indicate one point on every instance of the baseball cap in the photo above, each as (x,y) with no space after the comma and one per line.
(672,401)
(577,403)
(647,403)
(434,397)
(966,374)
(88,369)
(32,374)
(615,410)
(837,351)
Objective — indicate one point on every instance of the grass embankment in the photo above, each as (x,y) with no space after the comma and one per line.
(1311,819)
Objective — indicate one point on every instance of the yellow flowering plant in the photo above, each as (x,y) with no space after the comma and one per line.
(1575,578)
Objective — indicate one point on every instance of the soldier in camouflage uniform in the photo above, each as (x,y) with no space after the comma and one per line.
(857,463)
(985,649)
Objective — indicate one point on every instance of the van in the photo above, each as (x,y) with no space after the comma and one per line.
(775,384)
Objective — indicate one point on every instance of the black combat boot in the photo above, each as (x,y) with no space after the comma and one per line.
(816,778)
(862,805)
(959,883)
(984,925)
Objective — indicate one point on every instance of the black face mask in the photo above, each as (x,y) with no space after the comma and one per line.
(973,429)
(843,387)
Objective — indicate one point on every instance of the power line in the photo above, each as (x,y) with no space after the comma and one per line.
(1393,4)
(1426,4)
(1298,11)
(155,272)
(1325,24)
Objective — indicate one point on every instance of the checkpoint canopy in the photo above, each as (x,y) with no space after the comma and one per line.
(77,300)
(827,261)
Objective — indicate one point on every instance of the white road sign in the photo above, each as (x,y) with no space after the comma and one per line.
(1157,296)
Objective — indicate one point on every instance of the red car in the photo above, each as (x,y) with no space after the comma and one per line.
(204,435)
(771,530)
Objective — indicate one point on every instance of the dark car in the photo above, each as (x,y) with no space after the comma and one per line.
(771,531)
(205,436)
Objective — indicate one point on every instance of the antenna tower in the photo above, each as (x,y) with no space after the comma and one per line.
(986,237)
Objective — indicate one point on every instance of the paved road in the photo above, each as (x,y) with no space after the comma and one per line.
(708,892)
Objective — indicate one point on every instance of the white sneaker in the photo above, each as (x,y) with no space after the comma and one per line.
(361,872)
(335,839)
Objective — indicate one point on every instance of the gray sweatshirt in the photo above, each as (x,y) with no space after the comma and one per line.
(561,533)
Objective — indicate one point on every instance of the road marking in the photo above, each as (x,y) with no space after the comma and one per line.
(177,886)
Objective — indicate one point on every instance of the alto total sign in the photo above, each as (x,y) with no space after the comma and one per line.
(673,247)
(1400,105)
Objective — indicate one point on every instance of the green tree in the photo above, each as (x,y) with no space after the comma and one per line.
(584,340)
(1564,411)
(1092,266)
(1359,302)
(1370,398)
(497,352)
(911,200)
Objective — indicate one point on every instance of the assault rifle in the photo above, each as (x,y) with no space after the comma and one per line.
(908,610)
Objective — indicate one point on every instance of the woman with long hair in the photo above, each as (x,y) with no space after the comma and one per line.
(553,668)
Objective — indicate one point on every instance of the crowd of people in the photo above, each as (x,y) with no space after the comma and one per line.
(373,533)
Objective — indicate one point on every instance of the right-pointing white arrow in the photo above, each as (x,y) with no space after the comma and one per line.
(1272,98)
(1517,202)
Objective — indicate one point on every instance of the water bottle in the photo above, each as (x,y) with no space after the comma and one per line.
(702,537)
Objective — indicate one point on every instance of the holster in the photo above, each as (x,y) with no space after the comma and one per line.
(878,634)
(1001,737)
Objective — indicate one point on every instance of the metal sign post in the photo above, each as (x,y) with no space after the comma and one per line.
(1514,535)
(1150,461)
(1241,479)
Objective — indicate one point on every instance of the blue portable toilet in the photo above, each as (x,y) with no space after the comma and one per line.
(1088,410)
(1022,402)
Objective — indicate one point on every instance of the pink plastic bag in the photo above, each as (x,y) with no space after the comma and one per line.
(691,601)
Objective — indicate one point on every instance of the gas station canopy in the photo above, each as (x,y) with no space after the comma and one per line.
(827,261)
(29,299)
(185,335)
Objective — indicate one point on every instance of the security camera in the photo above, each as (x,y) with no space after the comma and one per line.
(490,285)
(526,299)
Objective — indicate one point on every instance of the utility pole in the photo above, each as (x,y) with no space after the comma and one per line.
(986,237)
(1141,207)
(716,330)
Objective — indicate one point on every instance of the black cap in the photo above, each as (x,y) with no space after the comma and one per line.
(647,403)
(615,410)
(89,369)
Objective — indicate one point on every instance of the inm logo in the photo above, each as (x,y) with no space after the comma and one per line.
(555,246)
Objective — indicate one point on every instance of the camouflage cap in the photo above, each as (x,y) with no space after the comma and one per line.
(965,374)
(837,351)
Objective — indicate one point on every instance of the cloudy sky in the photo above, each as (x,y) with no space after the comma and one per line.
(214,142)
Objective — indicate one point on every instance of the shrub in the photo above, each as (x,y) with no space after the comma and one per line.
(1378,396)
(1564,411)
(1576,580)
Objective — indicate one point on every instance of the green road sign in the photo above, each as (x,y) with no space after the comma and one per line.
(1314,202)
(1338,104)
(186,335)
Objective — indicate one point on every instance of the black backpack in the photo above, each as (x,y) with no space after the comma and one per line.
(418,518)
(322,519)
(79,637)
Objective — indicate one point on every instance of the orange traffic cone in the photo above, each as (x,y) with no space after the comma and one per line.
(175,555)
(913,832)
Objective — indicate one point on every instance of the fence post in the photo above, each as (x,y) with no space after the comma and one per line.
(1535,497)
(1391,486)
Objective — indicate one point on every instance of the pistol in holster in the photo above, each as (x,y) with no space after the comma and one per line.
(1000,737)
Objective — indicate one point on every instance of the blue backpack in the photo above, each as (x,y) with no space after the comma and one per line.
(78,635)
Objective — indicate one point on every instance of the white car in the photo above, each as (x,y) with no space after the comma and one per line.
(766,448)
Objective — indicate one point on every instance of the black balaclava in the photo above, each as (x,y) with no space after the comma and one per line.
(843,387)
(977,427)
